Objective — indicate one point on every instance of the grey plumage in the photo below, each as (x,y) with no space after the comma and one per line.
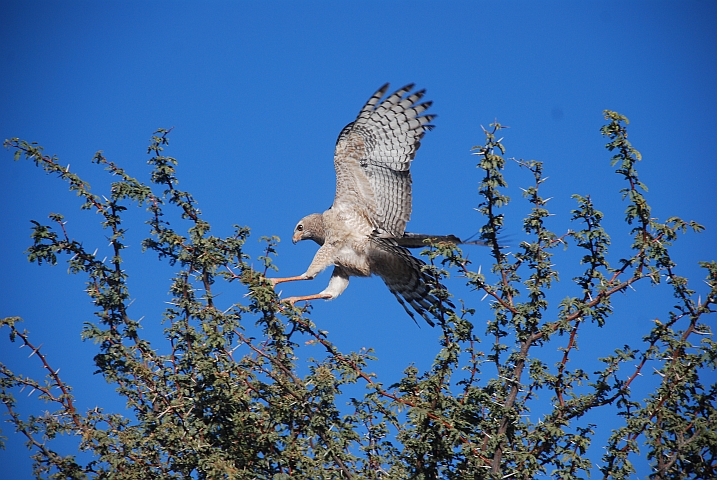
(311,227)
(363,233)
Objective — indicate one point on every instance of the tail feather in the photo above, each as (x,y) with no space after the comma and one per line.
(404,276)
(417,240)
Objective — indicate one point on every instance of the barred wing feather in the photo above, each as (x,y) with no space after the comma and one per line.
(373,157)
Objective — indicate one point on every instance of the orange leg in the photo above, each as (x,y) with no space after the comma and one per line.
(277,281)
(316,296)
(293,300)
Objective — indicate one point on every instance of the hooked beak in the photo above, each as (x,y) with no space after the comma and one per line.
(296,237)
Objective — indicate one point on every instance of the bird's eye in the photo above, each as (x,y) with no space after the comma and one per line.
(300,228)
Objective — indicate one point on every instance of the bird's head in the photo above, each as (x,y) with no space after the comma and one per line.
(311,227)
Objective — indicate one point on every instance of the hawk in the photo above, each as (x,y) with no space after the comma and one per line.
(363,233)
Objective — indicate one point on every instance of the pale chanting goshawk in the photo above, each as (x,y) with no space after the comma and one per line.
(363,233)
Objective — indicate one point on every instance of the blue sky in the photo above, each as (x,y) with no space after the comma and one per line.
(257,94)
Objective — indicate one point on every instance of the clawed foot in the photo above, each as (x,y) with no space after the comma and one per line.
(290,300)
(318,296)
(276,281)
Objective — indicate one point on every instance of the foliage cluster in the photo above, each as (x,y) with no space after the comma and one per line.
(224,403)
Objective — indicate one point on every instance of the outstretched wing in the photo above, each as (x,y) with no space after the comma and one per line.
(373,156)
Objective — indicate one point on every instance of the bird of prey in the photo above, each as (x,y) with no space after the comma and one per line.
(363,233)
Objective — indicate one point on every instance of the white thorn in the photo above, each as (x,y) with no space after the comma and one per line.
(35,351)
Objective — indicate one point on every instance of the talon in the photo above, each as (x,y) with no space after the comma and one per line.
(291,300)
(306,298)
(276,281)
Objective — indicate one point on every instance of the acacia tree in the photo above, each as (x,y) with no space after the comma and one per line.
(225,403)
